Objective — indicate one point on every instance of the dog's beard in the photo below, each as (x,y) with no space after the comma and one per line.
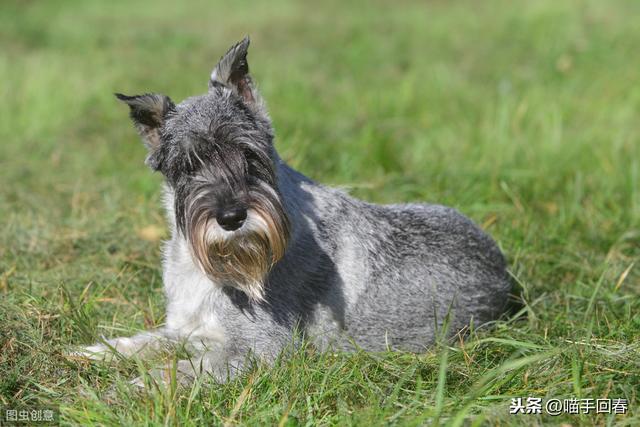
(241,258)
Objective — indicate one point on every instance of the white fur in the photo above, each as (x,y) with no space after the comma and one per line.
(189,316)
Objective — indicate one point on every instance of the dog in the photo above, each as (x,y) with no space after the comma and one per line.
(259,252)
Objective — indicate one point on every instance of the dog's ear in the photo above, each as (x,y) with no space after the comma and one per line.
(232,71)
(148,113)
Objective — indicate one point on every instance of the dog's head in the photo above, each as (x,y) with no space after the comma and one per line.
(216,153)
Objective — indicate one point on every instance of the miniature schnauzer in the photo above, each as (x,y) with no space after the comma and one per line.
(259,252)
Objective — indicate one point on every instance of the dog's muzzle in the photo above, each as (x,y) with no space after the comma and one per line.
(238,248)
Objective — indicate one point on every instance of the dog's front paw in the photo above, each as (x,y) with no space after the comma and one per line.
(124,346)
(94,352)
(139,345)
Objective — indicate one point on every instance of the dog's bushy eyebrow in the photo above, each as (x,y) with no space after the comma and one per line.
(230,160)
(259,165)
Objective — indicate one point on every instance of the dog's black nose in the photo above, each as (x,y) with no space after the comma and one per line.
(232,219)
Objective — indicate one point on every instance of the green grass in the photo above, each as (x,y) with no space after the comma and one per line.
(523,115)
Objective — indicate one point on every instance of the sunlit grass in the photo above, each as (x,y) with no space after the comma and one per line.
(523,115)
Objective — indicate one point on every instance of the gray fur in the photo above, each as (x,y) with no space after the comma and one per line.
(353,272)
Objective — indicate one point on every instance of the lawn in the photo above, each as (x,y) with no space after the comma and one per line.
(523,115)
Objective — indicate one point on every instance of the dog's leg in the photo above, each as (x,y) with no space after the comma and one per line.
(142,344)
(209,364)
(185,374)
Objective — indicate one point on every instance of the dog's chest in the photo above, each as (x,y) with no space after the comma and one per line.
(191,295)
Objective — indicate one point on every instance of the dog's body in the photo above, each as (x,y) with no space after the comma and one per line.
(258,251)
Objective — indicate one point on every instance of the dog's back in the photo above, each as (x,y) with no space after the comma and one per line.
(389,275)
(431,262)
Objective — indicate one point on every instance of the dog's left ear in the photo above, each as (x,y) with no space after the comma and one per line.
(148,113)
(232,71)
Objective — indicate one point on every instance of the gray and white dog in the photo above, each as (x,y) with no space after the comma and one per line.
(259,252)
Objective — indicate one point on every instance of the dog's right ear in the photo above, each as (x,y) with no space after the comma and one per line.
(232,71)
(148,113)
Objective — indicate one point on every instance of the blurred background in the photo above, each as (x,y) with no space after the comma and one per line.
(522,114)
(519,113)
